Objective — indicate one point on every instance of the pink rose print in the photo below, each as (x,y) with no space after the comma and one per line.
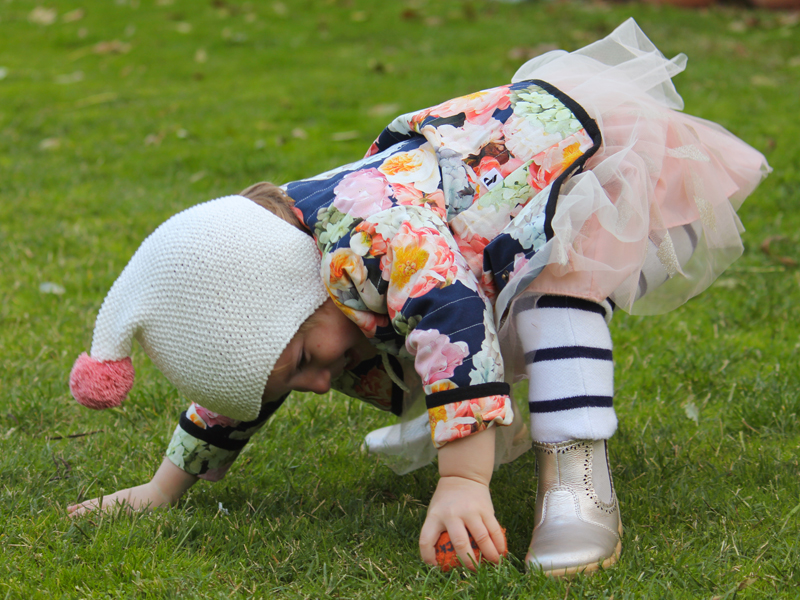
(362,193)
(418,261)
(488,286)
(471,249)
(550,163)
(410,196)
(211,418)
(478,107)
(436,357)
(460,419)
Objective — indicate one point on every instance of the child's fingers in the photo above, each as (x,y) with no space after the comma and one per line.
(498,536)
(485,541)
(460,540)
(428,537)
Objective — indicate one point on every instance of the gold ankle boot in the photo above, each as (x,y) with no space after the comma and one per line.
(578,527)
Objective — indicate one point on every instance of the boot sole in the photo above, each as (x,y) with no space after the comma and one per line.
(590,568)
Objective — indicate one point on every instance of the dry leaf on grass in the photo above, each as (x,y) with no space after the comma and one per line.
(42,16)
(766,248)
(111,47)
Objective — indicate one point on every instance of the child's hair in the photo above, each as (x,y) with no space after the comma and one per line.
(274,199)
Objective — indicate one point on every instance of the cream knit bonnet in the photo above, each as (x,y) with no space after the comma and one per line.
(213,295)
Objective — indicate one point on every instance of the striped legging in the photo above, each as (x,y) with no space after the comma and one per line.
(569,365)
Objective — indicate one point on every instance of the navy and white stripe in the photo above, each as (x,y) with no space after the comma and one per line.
(569,363)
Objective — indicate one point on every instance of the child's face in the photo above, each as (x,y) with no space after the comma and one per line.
(318,354)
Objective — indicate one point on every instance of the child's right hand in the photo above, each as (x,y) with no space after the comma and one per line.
(462,503)
(167,486)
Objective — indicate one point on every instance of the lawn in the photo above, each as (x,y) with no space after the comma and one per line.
(116,115)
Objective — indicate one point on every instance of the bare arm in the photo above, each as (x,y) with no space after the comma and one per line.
(462,501)
(167,485)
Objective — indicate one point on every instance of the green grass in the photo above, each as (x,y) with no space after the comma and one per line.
(203,98)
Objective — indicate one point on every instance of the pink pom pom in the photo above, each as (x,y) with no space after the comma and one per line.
(101,384)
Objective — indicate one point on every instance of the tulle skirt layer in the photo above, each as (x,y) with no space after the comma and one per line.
(652,220)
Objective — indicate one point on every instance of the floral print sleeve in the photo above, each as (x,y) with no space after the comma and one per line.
(206,443)
(418,238)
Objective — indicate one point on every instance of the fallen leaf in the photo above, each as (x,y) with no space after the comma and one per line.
(727,282)
(97,99)
(737,26)
(42,16)
(73,15)
(183,27)
(50,144)
(299,133)
(692,412)
(3,72)
(280,9)
(68,78)
(182,134)
(382,110)
(359,16)
(794,61)
(747,583)
(766,248)
(343,136)
(154,139)
(763,81)
(197,176)
(48,287)
(111,47)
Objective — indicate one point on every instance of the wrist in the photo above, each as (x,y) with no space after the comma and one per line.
(470,458)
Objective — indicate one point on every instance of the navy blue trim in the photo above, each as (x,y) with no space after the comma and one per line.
(397,392)
(567,352)
(570,302)
(546,406)
(592,130)
(219,435)
(468,393)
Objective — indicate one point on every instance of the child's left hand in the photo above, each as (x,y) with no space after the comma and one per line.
(462,502)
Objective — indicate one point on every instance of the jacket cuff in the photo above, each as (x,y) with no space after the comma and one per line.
(198,457)
(456,420)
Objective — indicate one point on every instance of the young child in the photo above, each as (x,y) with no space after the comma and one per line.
(480,241)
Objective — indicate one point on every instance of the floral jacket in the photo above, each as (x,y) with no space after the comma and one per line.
(417,239)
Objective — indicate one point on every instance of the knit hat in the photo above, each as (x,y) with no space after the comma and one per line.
(213,295)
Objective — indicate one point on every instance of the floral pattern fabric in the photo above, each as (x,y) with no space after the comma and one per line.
(417,239)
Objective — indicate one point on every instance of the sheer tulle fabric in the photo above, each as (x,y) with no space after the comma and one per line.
(657,171)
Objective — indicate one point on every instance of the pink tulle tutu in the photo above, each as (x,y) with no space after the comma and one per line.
(652,220)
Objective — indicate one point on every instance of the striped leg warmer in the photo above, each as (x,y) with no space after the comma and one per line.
(570,369)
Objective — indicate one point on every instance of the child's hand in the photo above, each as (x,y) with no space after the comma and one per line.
(135,498)
(167,486)
(460,504)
